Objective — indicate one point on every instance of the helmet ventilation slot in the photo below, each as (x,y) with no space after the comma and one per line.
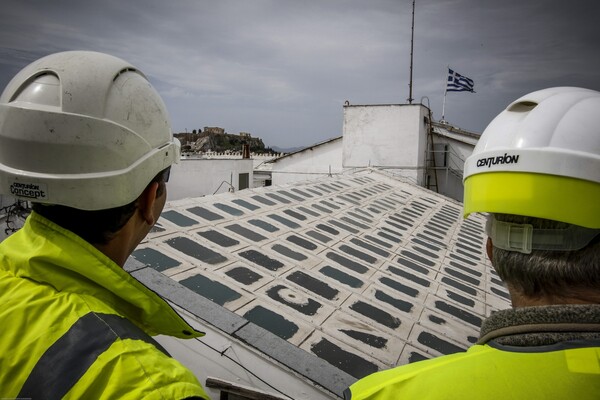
(42,89)
(522,106)
(124,70)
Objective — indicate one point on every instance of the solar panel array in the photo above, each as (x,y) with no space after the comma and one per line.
(364,271)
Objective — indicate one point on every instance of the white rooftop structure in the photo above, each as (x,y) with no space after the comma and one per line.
(399,138)
(314,285)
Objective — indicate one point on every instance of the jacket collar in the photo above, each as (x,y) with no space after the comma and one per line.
(542,325)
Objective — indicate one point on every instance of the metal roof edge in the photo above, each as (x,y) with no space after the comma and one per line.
(456,130)
(306,148)
(386,105)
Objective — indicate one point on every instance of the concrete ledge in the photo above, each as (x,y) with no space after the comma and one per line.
(296,359)
(132,265)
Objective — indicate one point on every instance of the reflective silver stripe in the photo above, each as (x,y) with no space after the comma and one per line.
(65,362)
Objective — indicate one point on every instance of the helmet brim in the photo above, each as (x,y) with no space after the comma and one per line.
(558,198)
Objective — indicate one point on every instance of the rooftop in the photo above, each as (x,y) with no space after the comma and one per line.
(334,278)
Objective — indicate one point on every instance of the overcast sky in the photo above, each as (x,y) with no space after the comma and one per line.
(282,69)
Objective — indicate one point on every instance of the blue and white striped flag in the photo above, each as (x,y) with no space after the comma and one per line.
(459,83)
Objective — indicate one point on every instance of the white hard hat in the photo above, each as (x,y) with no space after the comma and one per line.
(541,158)
(82,129)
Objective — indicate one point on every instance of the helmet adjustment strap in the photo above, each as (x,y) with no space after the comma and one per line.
(524,238)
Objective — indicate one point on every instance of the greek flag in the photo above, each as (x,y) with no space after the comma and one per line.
(459,83)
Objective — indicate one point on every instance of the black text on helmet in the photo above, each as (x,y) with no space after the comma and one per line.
(498,160)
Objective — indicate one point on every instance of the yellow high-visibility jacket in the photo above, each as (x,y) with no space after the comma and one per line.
(562,370)
(75,325)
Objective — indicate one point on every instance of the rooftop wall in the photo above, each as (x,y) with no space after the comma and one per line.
(197,177)
(389,136)
(308,164)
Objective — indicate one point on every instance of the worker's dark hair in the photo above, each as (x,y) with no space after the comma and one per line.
(547,272)
(98,226)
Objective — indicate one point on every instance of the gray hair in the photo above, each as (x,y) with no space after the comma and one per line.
(547,272)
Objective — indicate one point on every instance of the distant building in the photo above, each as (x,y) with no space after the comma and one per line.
(214,130)
(399,138)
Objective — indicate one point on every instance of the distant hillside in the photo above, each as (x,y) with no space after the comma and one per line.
(220,142)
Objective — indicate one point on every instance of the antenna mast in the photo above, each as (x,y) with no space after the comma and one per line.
(412,39)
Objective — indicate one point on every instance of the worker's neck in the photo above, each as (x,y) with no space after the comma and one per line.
(579,296)
(118,254)
(122,244)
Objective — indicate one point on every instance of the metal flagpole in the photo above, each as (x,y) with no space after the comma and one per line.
(412,39)
(445,92)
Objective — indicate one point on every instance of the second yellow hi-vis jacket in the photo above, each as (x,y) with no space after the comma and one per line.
(544,352)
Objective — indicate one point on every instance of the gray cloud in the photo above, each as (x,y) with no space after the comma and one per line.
(282,69)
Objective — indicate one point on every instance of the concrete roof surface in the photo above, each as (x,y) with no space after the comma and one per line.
(335,278)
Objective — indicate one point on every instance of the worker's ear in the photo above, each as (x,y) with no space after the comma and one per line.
(147,202)
(489,248)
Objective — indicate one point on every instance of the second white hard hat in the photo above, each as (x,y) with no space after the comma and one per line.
(541,158)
